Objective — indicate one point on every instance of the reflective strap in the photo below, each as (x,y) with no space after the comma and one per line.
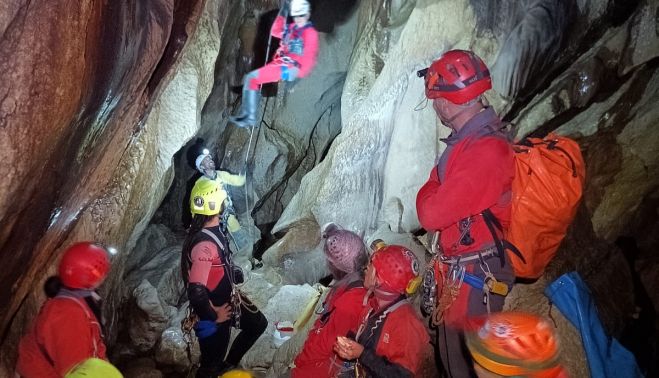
(91,317)
(214,237)
(468,258)
(461,84)
(288,60)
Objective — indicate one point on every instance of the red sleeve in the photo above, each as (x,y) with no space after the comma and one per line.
(278,26)
(308,60)
(409,342)
(68,336)
(31,363)
(475,182)
(346,317)
(203,255)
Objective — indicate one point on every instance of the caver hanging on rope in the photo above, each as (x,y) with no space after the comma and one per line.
(295,57)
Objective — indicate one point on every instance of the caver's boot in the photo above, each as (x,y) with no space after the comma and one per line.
(247,115)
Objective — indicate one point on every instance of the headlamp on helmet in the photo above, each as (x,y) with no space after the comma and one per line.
(84,265)
(207,197)
(458,76)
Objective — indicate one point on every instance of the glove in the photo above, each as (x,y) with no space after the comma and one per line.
(198,296)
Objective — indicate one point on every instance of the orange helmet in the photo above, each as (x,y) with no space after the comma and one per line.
(515,344)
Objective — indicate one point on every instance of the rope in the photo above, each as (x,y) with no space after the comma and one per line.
(251,132)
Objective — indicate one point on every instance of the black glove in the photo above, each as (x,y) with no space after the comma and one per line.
(198,296)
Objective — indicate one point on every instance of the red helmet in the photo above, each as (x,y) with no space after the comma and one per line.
(84,266)
(396,269)
(457,76)
(515,344)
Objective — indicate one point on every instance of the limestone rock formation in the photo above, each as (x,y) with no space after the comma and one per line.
(103,102)
(88,112)
(148,320)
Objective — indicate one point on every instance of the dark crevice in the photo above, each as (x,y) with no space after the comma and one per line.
(292,167)
(609,83)
(260,48)
(619,12)
(267,238)
(327,14)
(185,18)
(639,334)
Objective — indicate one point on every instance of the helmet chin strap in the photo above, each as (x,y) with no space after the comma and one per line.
(449,121)
(381,294)
(465,108)
(367,296)
(385,295)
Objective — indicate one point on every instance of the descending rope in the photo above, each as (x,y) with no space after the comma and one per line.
(251,129)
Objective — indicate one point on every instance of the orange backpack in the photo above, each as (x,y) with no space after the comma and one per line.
(549,178)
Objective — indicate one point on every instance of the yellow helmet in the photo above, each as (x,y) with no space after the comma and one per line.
(207,197)
(237,373)
(94,367)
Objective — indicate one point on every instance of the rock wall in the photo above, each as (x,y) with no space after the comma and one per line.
(89,126)
(100,102)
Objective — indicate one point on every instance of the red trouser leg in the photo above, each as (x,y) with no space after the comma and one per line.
(269,73)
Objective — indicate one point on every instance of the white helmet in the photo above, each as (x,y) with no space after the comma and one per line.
(300,8)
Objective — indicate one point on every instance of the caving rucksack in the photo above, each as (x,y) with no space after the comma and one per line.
(548,183)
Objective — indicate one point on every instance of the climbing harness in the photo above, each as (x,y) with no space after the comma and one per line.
(290,38)
(251,129)
(224,222)
(236,277)
(445,275)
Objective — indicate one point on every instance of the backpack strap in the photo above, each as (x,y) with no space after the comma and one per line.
(501,244)
(224,257)
(214,237)
(229,267)
(90,316)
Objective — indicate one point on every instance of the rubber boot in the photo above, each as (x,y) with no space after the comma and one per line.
(247,115)
(242,111)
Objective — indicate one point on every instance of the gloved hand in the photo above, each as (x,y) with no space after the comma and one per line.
(284,8)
